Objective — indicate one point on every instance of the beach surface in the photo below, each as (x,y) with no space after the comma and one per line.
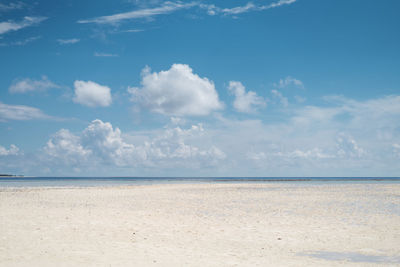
(203,224)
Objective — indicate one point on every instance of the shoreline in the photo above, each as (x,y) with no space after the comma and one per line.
(25,182)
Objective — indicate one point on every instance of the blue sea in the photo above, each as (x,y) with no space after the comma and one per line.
(118,181)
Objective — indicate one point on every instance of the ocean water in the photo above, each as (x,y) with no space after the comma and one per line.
(119,181)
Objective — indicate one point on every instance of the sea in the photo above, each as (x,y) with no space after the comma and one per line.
(123,181)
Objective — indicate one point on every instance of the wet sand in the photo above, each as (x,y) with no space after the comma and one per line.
(226,224)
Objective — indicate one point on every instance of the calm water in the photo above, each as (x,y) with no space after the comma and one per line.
(116,181)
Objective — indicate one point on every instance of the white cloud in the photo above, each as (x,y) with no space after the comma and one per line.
(98,144)
(300,99)
(22,42)
(344,148)
(341,138)
(177,120)
(314,114)
(68,41)
(285,83)
(315,153)
(133,30)
(289,81)
(166,8)
(97,54)
(177,91)
(19,112)
(170,7)
(211,9)
(279,3)
(256,156)
(348,147)
(282,100)
(66,147)
(102,145)
(12,151)
(240,9)
(26,41)
(107,144)
(371,114)
(245,101)
(92,94)
(252,7)
(8,26)
(384,106)
(11,6)
(171,148)
(28,85)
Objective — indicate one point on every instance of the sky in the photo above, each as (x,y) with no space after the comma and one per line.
(269,88)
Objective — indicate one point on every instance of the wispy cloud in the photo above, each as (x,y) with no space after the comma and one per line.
(282,100)
(166,8)
(133,30)
(19,112)
(27,40)
(68,41)
(8,26)
(28,85)
(22,42)
(240,9)
(279,3)
(11,6)
(214,10)
(252,7)
(97,54)
(170,7)
(289,81)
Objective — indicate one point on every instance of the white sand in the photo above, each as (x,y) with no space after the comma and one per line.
(272,224)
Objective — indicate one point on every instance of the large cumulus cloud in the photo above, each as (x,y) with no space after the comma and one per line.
(177,91)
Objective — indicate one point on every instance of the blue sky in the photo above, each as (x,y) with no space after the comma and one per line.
(200,88)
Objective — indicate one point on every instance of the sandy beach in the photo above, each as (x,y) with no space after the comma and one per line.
(226,224)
